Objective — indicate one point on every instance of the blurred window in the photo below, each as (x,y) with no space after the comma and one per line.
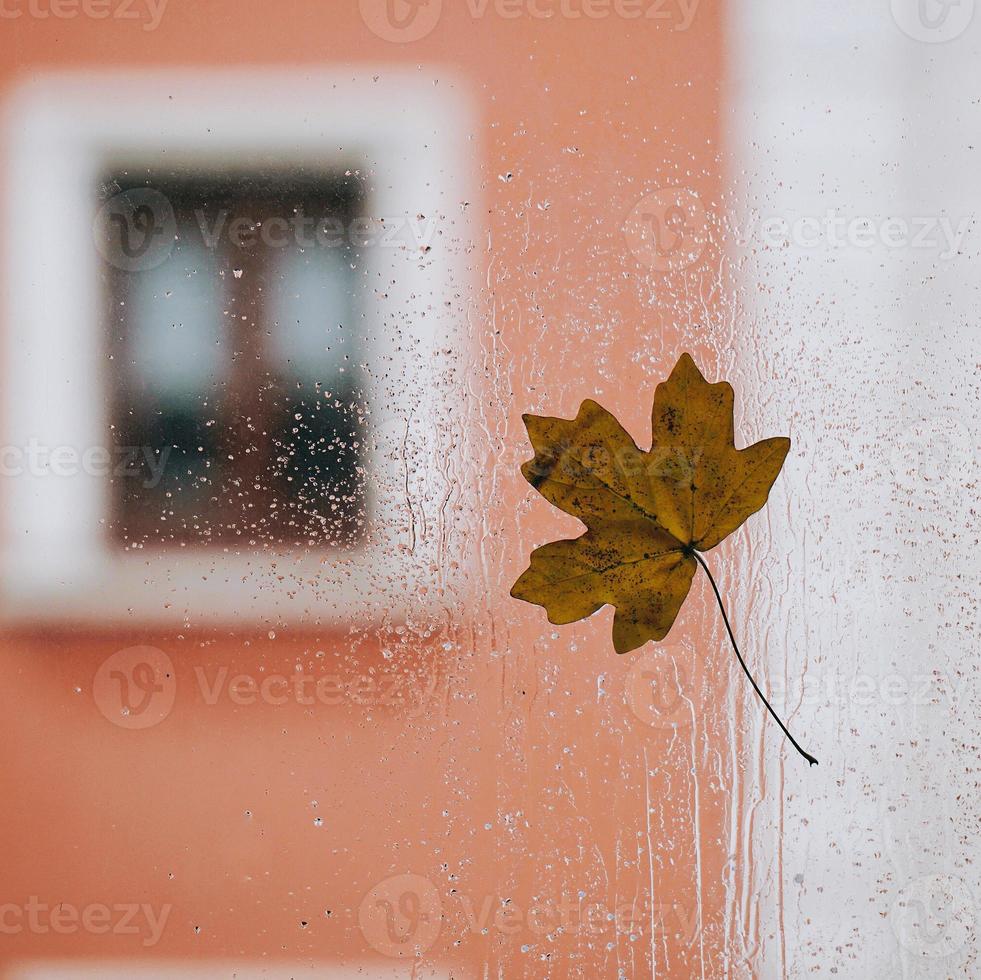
(235,360)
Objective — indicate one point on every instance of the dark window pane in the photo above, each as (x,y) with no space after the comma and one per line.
(236,366)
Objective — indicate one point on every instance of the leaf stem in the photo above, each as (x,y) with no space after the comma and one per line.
(742,663)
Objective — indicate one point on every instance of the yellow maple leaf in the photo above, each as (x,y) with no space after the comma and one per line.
(649,514)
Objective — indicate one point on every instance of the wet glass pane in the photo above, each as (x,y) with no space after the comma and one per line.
(460,463)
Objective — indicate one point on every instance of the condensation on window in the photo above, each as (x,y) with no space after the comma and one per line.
(272,709)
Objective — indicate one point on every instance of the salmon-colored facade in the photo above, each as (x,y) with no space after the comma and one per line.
(511,765)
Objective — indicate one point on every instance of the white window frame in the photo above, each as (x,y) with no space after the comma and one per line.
(62,131)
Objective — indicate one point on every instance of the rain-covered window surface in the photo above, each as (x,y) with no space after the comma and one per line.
(460,463)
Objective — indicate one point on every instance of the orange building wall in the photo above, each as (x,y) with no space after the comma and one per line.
(526,774)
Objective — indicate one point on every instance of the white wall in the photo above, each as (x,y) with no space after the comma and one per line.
(869,865)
